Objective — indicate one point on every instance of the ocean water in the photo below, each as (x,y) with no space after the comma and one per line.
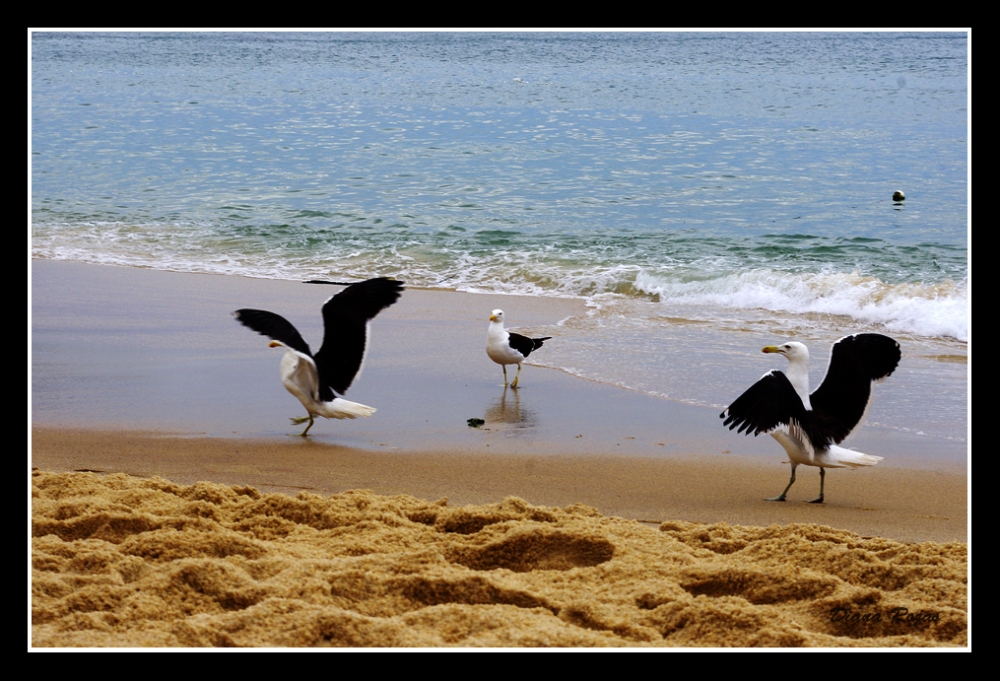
(705,193)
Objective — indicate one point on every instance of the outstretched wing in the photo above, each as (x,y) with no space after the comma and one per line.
(345,336)
(525,345)
(273,326)
(767,404)
(855,363)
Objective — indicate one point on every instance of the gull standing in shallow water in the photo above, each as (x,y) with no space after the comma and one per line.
(505,347)
(809,427)
(314,379)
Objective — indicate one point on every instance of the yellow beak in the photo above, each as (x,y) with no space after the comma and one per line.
(771,348)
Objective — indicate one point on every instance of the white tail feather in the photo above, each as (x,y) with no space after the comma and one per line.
(344,409)
(848,458)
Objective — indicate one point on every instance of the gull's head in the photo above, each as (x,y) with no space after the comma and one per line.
(497,316)
(792,350)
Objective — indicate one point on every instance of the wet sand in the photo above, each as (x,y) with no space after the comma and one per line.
(644,516)
(909,505)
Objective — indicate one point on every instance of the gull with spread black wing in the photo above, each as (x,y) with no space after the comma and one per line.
(810,427)
(314,379)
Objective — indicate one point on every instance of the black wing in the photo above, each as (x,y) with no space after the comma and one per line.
(767,404)
(273,326)
(855,362)
(345,336)
(525,345)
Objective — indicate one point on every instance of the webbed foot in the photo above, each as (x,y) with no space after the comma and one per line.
(299,420)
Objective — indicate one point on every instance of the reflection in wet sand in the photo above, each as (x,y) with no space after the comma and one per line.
(507,409)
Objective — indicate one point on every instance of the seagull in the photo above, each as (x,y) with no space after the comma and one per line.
(505,347)
(314,379)
(809,427)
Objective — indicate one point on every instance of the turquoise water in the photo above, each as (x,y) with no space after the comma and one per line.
(705,193)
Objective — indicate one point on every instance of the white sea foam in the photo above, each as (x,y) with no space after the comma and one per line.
(933,310)
(939,309)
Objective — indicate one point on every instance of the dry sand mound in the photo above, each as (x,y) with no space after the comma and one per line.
(123,561)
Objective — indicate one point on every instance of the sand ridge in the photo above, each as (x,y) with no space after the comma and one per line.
(122,561)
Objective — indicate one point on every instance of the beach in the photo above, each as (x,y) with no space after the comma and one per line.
(660,205)
(580,514)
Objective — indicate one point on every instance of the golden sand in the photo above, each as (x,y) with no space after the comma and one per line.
(123,561)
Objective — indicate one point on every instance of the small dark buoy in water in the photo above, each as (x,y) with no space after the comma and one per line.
(898,196)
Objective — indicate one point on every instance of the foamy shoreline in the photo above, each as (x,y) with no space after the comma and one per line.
(140,349)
